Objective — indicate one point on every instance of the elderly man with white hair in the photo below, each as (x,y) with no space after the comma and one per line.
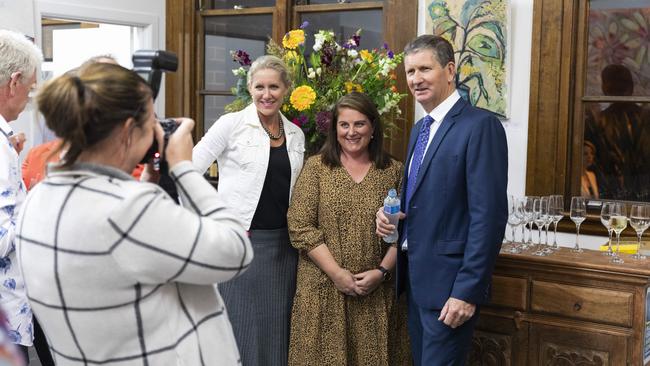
(19,61)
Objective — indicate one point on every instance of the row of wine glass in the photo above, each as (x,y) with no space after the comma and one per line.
(546,210)
(539,211)
(614,216)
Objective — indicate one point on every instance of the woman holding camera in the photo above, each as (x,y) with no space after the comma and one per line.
(115,270)
(259,154)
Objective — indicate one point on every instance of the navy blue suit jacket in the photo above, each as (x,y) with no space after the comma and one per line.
(457,214)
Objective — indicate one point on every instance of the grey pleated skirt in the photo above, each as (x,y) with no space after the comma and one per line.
(259,301)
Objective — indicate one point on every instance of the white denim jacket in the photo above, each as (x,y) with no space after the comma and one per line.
(241,148)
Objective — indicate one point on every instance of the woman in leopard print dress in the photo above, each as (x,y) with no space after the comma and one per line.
(344,311)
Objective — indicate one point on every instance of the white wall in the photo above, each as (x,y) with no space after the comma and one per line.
(520,37)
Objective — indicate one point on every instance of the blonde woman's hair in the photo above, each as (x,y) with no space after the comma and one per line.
(269,62)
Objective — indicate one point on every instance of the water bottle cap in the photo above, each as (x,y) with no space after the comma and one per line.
(392,193)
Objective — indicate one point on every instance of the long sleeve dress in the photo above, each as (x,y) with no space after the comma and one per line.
(328,327)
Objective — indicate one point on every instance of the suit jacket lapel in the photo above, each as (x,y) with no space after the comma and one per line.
(445,125)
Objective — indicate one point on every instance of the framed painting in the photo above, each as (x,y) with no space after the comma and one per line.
(478,30)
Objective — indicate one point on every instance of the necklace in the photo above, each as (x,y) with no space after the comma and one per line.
(280,133)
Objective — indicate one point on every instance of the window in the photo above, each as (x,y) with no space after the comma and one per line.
(589,120)
(216,27)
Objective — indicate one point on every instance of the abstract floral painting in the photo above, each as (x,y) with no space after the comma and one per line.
(621,37)
(478,31)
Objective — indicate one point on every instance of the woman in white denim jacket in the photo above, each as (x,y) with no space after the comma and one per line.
(259,154)
(116,272)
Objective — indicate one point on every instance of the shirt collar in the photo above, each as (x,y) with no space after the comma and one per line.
(438,113)
(4,127)
(75,168)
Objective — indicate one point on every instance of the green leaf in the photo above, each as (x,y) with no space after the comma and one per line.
(484,46)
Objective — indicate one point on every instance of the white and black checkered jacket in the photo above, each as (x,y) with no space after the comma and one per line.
(118,274)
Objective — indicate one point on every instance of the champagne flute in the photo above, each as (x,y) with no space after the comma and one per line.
(527,207)
(556,209)
(540,208)
(605,214)
(509,223)
(640,221)
(578,214)
(514,219)
(618,223)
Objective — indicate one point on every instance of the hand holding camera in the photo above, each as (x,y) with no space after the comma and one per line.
(179,144)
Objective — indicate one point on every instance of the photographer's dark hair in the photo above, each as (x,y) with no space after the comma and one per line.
(83,107)
(360,102)
(441,48)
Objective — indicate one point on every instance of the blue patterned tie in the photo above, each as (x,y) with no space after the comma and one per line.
(418,154)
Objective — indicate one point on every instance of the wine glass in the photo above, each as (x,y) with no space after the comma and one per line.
(522,220)
(514,219)
(578,214)
(527,206)
(556,211)
(618,223)
(639,220)
(605,214)
(540,209)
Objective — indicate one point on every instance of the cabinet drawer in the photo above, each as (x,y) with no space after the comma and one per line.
(599,305)
(510,292)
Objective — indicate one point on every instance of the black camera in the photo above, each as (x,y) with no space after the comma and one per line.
(150,64)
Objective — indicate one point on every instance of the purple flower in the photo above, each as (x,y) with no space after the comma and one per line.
(391,54)
(386,46)
(304,25)
(323,121)
(327,55)
(301,120)
(242,57)
(356,39)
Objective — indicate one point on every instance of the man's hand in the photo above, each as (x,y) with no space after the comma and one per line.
(18,141)
(456,312)
(384,227)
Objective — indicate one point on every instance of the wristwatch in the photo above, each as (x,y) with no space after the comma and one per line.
(384,272)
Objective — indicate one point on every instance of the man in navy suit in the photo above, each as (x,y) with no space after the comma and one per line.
(455,208)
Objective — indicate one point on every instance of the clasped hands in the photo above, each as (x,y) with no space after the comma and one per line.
(360,284)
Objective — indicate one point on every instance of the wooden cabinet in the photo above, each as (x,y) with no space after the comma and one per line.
(564,309)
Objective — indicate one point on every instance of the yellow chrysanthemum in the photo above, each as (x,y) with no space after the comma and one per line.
(293,39)
(353,87)
(291,56)
(366,56)
(302,97)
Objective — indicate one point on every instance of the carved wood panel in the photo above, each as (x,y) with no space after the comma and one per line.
(556,355)
(490,349)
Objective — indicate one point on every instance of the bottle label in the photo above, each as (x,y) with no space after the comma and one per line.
(391,209)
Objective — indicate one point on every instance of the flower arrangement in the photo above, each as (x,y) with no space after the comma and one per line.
(320,77)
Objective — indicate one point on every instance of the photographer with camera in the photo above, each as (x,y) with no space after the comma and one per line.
(116,270)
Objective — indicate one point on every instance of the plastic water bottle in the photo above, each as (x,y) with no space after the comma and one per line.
(391,209)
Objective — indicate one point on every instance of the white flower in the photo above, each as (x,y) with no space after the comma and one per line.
(319,71)
(311,73)
(239,72)
(352,53)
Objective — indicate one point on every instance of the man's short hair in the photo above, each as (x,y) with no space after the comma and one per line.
(441,48)
(17,54)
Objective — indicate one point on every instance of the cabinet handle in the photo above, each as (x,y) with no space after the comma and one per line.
(577,306)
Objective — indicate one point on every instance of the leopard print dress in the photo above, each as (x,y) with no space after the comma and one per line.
(328,327)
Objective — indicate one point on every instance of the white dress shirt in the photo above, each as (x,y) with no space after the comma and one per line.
(13,299)
(241,148)
(438,114)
